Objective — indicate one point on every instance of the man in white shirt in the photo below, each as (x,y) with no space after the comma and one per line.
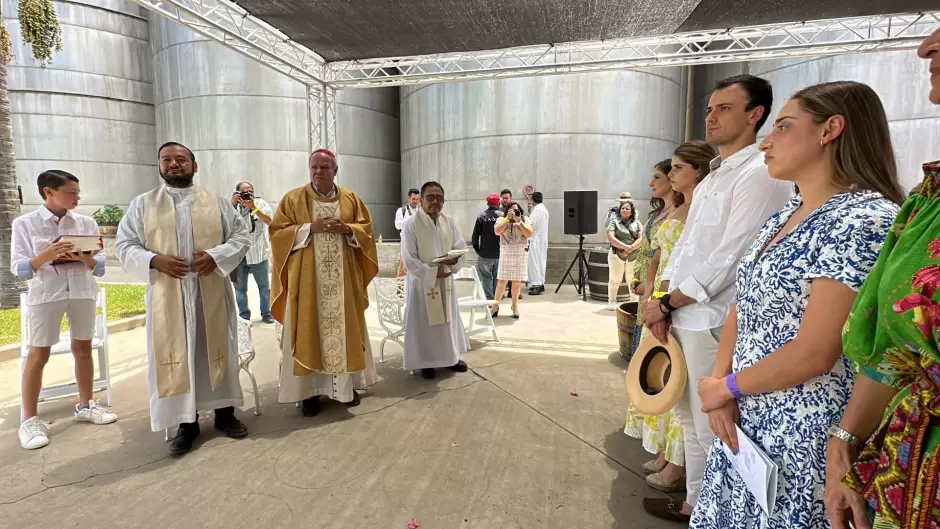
(257,215)
(60,282)
(408,209)
(538,245)
(404,213)
(730,206)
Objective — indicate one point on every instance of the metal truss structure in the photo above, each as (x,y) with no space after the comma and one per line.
(773,41)
(225,22)
(230,25)
(321,107)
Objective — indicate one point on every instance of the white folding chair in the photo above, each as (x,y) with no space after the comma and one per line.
(390,305)
(99,344)
(246,353)
(475,302)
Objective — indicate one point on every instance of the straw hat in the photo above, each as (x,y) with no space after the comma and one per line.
(656,376)
(625,197)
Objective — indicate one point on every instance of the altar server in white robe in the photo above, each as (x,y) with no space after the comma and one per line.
(434,334)
(538,245)
(184,241)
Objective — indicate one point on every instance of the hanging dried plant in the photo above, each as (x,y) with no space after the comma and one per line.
(40,27)
(7,47)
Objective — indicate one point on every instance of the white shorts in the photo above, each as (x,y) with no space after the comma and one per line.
(45,321)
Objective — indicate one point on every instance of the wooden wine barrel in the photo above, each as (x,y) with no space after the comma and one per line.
(626,326)
(599,274)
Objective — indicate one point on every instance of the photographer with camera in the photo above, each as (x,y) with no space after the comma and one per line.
(257,215)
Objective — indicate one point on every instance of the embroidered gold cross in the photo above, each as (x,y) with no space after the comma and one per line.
(170,365)
(433,294)
(218,360)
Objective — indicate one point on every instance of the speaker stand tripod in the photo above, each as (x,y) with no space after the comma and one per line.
(582,271)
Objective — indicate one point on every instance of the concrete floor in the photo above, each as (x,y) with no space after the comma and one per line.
(505,445)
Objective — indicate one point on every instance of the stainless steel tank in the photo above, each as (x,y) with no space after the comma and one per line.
(367,143)
(602,131)
(90,111)
(242,120)
(899,78)
(247,122)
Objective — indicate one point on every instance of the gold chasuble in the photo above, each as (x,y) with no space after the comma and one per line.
(168,326)
(323,287)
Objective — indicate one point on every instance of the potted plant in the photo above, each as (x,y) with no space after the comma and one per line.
(108,218)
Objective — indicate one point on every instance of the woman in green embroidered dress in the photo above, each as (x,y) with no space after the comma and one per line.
(892,336)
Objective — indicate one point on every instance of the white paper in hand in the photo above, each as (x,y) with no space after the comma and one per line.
(756,469)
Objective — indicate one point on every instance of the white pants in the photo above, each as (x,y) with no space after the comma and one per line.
(620,271)
(701,350)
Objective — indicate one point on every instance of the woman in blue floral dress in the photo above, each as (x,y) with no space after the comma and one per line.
(781,375)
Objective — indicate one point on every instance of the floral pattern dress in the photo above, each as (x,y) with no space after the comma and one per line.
(893,337)
(840,241)
(641,267)
(660,434)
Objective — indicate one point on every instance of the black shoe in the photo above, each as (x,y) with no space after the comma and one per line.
(460,366)
(268,319)
(428,373)
(226,421)
(185,435)
(310,407)
(356,400)
(665,509)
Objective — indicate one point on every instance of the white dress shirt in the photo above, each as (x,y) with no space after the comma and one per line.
(728,210)
(32,234)
(403,214)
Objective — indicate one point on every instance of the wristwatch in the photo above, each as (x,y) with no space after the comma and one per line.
(664,304)
(839,433)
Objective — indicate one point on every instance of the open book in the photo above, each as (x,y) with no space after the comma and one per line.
(453,254)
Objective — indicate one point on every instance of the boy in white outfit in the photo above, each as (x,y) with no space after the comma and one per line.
(67,286)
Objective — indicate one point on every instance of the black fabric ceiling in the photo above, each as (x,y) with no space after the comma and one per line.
(361,29)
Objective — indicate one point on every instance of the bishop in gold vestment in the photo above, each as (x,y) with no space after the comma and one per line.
(323,258)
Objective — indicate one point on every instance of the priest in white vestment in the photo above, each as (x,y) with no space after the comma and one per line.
(434,333)
(538,245)
(324,257)
(184,241)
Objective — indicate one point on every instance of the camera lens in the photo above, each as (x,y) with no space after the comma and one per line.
(246,195)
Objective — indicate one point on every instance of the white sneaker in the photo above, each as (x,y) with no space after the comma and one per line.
(611,305)
(94,414)
(33,434)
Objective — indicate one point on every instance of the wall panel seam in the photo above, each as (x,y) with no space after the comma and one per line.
(540,134)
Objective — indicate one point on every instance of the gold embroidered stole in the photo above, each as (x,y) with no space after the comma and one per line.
(437,298)
(329,260)
(168,326)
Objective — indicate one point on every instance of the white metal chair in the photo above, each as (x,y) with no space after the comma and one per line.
(99,344)
(475,302)
(390,304)
(246,353)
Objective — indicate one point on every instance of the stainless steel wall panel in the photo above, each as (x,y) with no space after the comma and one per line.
(90,111)
(245,121)
(601,131)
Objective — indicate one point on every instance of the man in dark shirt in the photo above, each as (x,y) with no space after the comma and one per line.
(486,245)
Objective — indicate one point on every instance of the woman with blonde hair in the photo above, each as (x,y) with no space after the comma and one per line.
(780,375)
(662,435)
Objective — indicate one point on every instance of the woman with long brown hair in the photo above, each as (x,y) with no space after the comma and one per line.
(662,435)
(781,348)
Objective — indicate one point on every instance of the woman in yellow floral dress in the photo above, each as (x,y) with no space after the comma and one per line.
(893,337)
(661,189)
(662,435)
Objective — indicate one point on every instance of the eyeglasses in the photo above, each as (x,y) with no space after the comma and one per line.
(434,198)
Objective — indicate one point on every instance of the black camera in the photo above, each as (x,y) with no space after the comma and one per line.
(615,209)
(246,195)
